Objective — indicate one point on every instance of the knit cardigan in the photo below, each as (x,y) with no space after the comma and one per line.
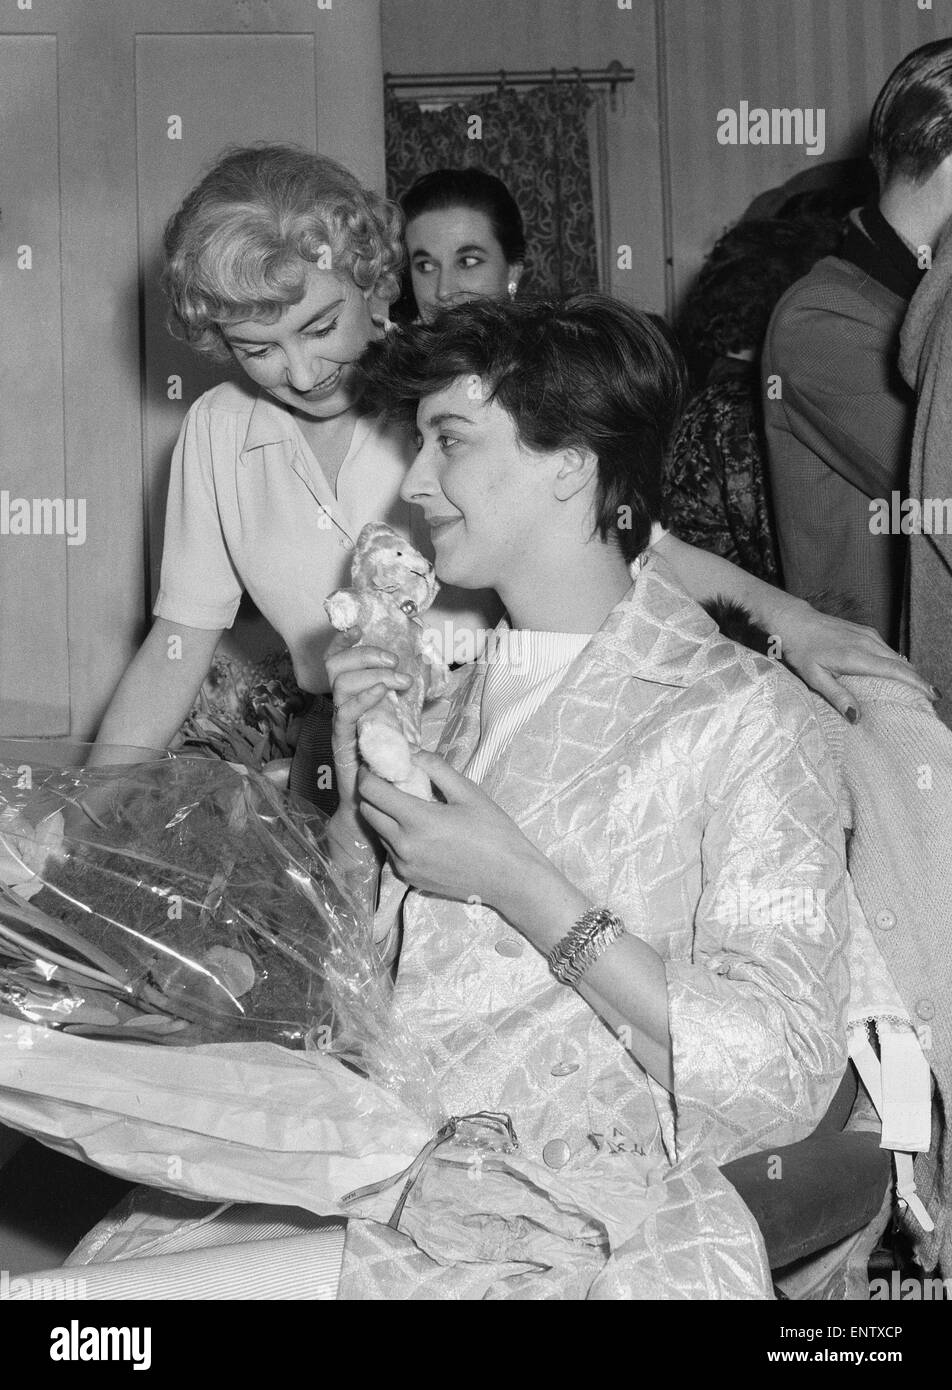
(926,363)
(895,767)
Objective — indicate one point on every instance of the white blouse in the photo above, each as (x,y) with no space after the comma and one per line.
(523,668)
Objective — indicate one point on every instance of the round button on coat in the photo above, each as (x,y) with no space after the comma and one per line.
(925,1009)
(556,1153)
(505,946)
(885,920)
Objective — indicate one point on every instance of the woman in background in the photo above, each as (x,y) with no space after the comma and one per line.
(715,482)
(464,238)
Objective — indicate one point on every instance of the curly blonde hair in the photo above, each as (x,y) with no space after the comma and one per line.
(238,247)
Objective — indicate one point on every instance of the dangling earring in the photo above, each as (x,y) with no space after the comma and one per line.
(512,287)
(383,326)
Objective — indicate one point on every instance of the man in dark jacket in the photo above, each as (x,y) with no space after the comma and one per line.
(838,415)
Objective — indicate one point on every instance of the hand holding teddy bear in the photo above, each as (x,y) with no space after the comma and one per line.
(392,585)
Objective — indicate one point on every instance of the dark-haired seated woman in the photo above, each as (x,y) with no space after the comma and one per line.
(621,923)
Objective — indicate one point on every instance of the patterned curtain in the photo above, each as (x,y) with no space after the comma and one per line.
(537,143)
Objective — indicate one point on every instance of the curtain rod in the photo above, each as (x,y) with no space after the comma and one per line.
(612,75)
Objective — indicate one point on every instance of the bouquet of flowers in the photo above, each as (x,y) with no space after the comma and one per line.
(177,901)
(247,713)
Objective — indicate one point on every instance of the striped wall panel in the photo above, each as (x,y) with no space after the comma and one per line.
(833,54)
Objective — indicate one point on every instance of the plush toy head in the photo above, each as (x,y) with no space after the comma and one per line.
(384,561)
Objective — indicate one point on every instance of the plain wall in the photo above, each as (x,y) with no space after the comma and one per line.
(834,54)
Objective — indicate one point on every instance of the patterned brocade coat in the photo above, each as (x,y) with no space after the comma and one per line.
(683,781)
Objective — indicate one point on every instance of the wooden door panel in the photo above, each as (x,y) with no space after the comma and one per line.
(225,89)
(34,667)
(86,87)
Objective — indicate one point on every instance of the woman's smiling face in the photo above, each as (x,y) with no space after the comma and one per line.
(482,492)
(305,358)
(455,256)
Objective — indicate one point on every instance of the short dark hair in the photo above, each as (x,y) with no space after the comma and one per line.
(910,129)
(750,267)
(590,373)
(471,188)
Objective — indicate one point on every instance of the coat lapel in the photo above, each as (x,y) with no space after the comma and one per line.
(460,732)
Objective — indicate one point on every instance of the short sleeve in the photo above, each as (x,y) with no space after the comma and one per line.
(758,1014)
(199,586)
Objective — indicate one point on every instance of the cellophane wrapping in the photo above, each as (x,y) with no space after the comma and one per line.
(187,913)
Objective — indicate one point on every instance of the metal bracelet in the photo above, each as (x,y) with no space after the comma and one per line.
(580,948)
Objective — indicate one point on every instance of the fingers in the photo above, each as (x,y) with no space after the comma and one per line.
(383,796)
(453,785)
(892,667)
(835,694)
(346,653)
(351,683)
(349,707)
(879,659)
(381,824)
(383,807)
(358,670)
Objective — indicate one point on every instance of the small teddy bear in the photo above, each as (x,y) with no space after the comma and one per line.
(392,585)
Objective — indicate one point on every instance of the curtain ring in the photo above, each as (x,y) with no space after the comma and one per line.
(578,75)
(555,77)
(502,82)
